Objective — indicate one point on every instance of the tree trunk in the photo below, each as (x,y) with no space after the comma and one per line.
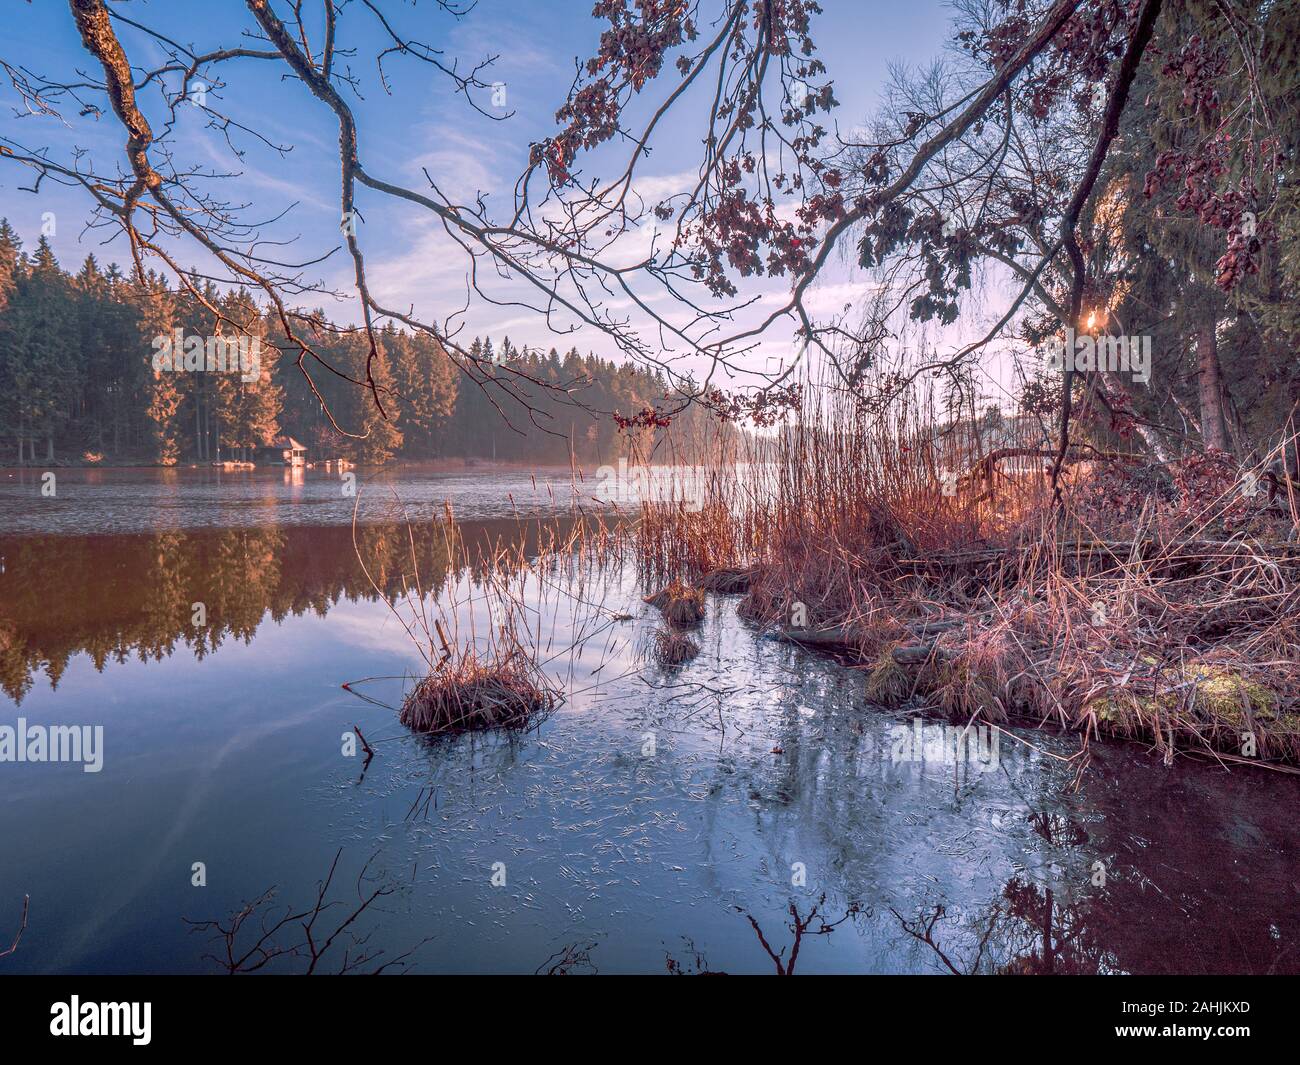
(1149,435)
(1213,425)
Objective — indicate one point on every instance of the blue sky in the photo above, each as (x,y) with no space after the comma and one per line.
(421,125)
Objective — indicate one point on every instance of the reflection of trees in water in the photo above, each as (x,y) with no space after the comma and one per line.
(119,597)
(1198,863)
(1026,931)
(1029,928)
(321,936)
(1197,878)
(784,956)
(122,597)
(813,923)
(809,806)
(1200,866)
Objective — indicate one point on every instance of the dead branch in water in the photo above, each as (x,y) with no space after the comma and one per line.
(312,943)
(568,958)
(22,927)
(799,927)
(370,751)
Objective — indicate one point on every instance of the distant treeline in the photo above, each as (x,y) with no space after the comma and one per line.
(78,382)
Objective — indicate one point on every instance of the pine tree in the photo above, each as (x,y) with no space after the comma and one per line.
(13,363)
(42,348)
(157,319)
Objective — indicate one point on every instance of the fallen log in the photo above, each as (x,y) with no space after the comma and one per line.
(934,628)
(831,638)
(915,655)
(839,638)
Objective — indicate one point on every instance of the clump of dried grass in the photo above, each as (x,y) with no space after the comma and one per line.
(888,683)
(474,695)
(673,648)
(975,680)
(728,580)
(482,634)
(679,603)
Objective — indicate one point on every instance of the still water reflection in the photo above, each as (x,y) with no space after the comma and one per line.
(654,823)
(150,500)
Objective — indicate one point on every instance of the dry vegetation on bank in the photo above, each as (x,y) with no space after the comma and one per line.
(1158,604)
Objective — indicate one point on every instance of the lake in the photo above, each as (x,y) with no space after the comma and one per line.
(659,820)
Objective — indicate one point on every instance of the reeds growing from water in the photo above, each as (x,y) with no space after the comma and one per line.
(1155,602)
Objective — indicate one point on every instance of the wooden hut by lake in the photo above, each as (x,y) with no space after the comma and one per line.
(282,451)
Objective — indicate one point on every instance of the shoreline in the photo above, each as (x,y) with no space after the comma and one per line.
(443,465)
(997,667)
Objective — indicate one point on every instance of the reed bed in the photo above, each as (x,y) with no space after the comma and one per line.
(1157,602)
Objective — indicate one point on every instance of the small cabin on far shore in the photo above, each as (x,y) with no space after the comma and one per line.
(282,451)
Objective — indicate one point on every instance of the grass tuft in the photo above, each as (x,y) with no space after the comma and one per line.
(472,695)
(673,648)
(680,604)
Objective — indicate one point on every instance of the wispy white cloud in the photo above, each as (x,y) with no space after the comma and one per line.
(427,270)
(837,297)
(516,55)
(459,163)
